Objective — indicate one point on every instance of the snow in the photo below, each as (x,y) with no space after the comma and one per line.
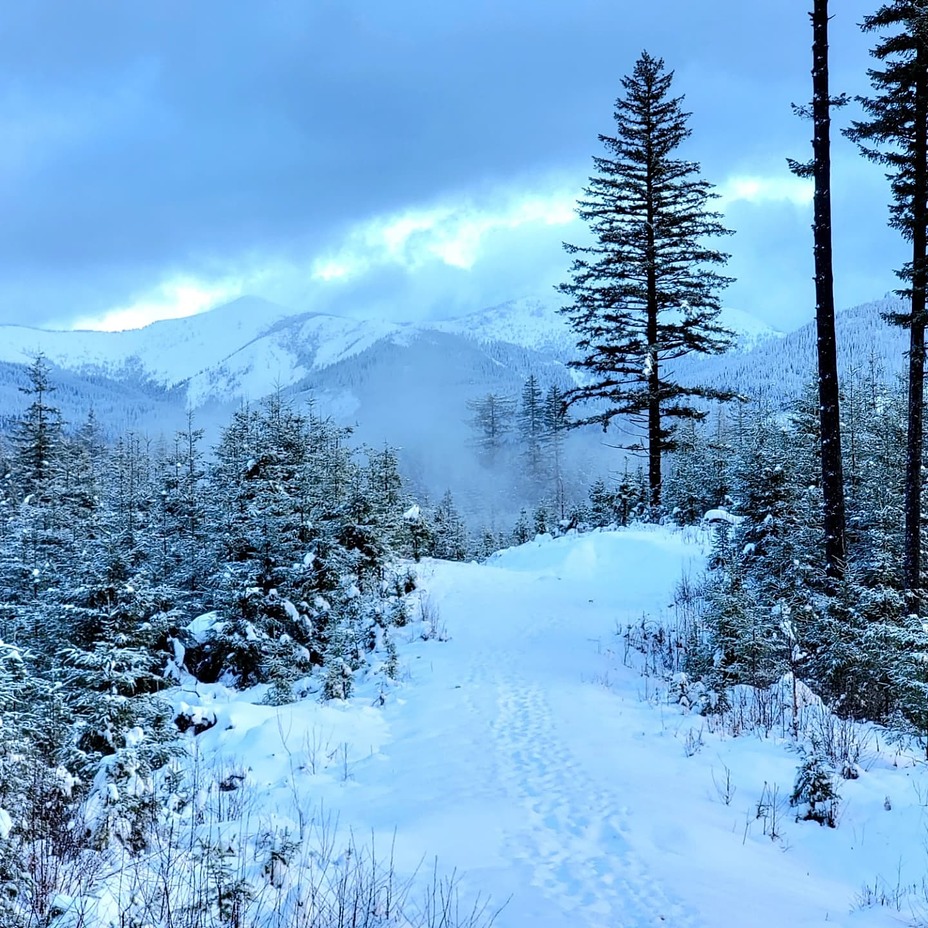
(749,330)
(203,626)
(168,352)
(721,515)
(530,322)
(250,348)
(524,753)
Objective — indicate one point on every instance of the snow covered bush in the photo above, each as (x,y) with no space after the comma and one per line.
(815,795)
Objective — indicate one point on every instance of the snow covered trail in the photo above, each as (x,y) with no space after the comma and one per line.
(523,755)
(482,746)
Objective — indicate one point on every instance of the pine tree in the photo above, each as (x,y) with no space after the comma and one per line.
(645,293)
(492,422)
(37,434)
(895,134)
(531,422)
(449,533)
(554,428)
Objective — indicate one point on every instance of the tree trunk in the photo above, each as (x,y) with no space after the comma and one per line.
(654,382)
(914,444)
(829,411)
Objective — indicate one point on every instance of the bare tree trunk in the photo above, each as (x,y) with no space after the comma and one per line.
(915,442)
(829,410)
(654,397)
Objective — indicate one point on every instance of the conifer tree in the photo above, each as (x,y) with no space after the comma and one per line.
(645,293)
(554,426)
(531,424)
(38,432)
(449,533)
(492,421)
(895,134)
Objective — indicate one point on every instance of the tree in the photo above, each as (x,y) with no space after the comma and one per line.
(829,410)
(645,293)
(895,134)
(530,418)
(554,426)
(492,421)
(38,432)
(449,533)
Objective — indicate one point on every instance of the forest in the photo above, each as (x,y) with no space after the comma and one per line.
(283,560)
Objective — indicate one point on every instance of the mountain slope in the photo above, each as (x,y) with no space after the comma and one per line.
(167,353)
(246,349)
(778,370)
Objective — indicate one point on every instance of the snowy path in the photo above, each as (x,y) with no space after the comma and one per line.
(490,760)
(522,755)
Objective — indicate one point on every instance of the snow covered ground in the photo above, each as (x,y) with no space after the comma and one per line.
(523,753)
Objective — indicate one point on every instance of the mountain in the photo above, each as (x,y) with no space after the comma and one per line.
(245,349)
(166,353)
(750,332)
(776,370)
(407,384)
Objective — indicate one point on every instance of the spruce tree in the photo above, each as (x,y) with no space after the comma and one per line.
(531,422)
(492,422)
(645,293)
(37,434)
(554,427)
(449,533)
(895,134)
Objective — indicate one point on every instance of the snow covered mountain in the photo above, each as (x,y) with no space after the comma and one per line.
(407,384)
(166,353)
(245,349)
(775,370)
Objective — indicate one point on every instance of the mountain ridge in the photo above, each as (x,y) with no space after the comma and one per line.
(251,346)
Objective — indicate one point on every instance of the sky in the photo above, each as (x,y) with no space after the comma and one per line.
(404,159)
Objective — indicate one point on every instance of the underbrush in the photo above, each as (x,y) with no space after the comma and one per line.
(219,858)
(785,709)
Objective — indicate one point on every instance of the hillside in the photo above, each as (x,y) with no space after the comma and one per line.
(778,370)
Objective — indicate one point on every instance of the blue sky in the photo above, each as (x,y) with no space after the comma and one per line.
(401,159)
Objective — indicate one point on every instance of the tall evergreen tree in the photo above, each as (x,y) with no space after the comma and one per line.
(895,133)
(554,426)
(530,418)
(646,293)
(38,433)
(492,422)
(829,408)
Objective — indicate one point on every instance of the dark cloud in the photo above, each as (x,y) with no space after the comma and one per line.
(176,138)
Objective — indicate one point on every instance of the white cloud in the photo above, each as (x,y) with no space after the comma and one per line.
(750,188)
(171,300)
(462,234)
(453,234)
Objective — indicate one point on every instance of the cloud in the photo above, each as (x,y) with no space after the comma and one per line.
(304,150)
(173,299)
(418,258)
(453,233)
(760,190)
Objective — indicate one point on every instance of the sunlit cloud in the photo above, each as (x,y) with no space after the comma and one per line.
(172,300)
(762,190)
(451,234)
(462,235)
